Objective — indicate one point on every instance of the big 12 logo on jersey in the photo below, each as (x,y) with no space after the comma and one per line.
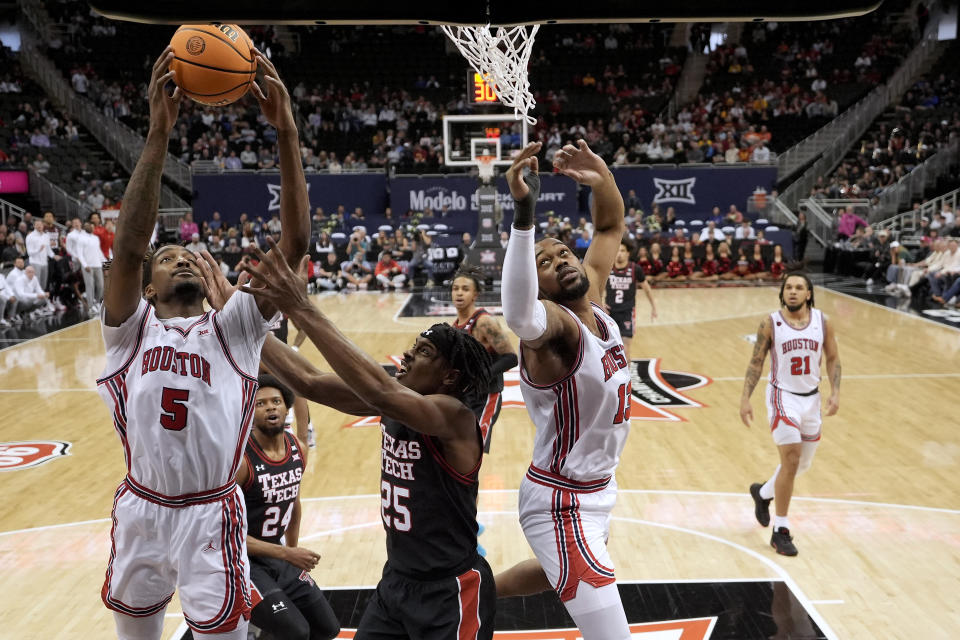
(26,454)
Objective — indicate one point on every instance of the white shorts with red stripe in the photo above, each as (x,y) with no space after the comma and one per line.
(567,524)
(199,547)
(793,418)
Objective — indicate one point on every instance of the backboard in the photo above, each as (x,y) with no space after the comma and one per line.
(475,12)
(465,137)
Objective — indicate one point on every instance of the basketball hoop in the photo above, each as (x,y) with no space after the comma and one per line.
(501,57)
(485,167)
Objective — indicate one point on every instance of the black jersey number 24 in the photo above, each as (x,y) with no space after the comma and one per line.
(173,408)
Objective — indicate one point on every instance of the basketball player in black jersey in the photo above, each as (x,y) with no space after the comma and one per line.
(434,586)
(477,321)
(292,606)
(620,297)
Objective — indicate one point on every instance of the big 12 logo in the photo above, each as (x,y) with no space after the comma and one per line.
(26,454)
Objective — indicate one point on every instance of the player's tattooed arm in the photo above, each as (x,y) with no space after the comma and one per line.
(492,336)
(754,369)
(138,213)
(832,356)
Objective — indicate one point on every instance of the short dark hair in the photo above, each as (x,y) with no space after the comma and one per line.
(798,274)
(267,381)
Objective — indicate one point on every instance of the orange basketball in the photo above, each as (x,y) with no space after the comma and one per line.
(214,63)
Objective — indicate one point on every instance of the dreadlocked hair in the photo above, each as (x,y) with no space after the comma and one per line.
(473,273)
(465,353)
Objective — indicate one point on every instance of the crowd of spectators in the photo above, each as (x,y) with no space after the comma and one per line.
(46,270)
(926,273)
(926,119)
(607,83)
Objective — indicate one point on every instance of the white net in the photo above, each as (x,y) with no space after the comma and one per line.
(485,167)
(500,55)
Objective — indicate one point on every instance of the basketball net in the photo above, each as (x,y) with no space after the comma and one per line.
(500,55)
(485,167)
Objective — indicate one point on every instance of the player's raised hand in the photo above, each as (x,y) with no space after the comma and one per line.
(275,100)
(301,558)
(581,164)
(216,287)
(746,412)
(527,159)
(275,282)
(164,107)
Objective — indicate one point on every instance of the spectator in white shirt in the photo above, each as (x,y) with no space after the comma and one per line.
(91,266)
(8,302)
(40,165)
(949,217)
(38,250)
(760,153)
(711,233)
(196,245)
(944,277)
(745,231)
(79,81)
(30,296)
(73,239)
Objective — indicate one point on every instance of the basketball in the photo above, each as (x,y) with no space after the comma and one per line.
(214,63)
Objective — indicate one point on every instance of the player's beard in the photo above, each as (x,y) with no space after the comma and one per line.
(575,292)
(271,430)
(794,308)
(188,291)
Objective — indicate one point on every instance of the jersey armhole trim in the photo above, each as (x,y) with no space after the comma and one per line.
(136,347)
(226,349)
(573,369)
(459,477)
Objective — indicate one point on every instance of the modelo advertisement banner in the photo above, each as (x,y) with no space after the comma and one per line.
(458,194)
(258,194)
(694,191)
(14,182)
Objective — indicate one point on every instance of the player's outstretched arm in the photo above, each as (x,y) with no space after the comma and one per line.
(294,199)
(492,336)
(437,415)
(587,168)
(306,381)
(755,368)
(138,213)
(832,354)
(536,322)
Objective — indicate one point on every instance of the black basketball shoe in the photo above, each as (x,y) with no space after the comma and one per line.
(761,507)
(782,541)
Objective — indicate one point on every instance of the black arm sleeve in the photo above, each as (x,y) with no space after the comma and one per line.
(523,213)
(504,362)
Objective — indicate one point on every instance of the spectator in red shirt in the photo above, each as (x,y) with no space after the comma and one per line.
(388,272)
(101,232)
(708,266)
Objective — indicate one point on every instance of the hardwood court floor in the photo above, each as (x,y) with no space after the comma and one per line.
(877,519)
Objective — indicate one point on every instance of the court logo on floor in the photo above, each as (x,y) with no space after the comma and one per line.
(656,392)
(30,453)
(698,629)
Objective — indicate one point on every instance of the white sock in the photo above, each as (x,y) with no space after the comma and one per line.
(780,522)
(767,490)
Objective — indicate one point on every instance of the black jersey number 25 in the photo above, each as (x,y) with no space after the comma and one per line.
(173,406)
(390,502)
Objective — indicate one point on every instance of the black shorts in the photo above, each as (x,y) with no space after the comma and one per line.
(459,607)
(270,575)
(625,321)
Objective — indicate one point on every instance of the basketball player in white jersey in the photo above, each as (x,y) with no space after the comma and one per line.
(797,336)
(180,385)
(575,379)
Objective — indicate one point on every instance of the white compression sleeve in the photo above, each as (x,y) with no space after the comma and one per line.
(523,312)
